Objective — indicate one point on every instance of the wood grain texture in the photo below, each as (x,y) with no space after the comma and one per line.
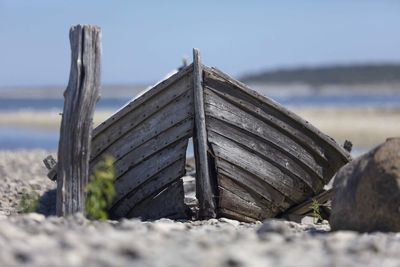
(339,155)
(162,179)
(81,96)
(275,200)
(267,151)
(148,140)
(304,208)
(246,203)
(141,111)
(230,114)
(164,204)
(142,172)
(51,165)
(204,190)
(170,116)
(240,207)
(290,187)
(271,158)
(137,102)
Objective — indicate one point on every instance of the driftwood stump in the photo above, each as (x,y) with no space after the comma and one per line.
(80,96)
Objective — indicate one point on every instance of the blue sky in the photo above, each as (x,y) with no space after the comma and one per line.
(143,40)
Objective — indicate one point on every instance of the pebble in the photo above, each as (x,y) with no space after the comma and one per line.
(36,240)
(229,221)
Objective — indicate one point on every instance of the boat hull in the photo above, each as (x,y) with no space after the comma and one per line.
(148,139)
(266,159)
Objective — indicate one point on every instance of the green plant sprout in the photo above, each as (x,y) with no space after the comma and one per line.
(29,202)
(316,213)
(100,189)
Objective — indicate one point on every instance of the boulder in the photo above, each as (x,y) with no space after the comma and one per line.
(367,191)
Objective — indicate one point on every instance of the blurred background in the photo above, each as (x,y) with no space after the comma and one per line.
(335,63)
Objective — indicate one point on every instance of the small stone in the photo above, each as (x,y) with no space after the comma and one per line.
(130,252)
(212,221)
(273,226)
(232,262)
(166,226)
(234,223)
(22,257)
(36,217)
(35,186)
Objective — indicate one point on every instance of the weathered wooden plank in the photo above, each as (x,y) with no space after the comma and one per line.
(150,94)
(160,180)
(51,165)
(180,91)
(222,212)
(266,151)
(204,191)
(166,204)
(224,111)
(305,207)
(149,167)
(228,200)
(231,152)
(287,115)
(252,106)
(170,115)
(275,199)
(81,96)
(257,208)
(154,146)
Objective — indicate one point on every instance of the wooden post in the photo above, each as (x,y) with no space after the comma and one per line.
(204,192)
(80,96)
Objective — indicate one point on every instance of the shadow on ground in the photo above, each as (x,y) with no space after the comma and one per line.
(47,203)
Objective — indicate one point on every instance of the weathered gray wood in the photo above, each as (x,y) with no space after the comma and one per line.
(167,203)
(51,165)
(150,94)
(257,142)
(343,156)
(154,145)
(347,145)
(304,208)
(204,191)
(81,96)
(167,117)
(161,179)
(224,111)
(148,140)
(266,151)
(167,98)
(275,200)
(230,201)
(253,205)
(264,170)
(234,214)
(148,168)
(251,105)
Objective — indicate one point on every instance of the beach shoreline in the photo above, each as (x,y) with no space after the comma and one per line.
(364,127)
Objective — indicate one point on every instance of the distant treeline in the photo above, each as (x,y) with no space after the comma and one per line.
(351,74)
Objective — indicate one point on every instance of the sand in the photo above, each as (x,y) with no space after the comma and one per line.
(39,241)
(364,127)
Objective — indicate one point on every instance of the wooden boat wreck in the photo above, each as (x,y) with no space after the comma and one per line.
(267,159)
(148,140)
(254,158)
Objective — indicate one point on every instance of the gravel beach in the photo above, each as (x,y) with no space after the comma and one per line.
(36,240)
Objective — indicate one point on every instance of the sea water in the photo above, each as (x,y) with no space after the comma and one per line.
(13,137)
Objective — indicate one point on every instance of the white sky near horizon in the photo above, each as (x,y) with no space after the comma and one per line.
(142,41)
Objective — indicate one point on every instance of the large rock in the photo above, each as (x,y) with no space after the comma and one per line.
(367,191)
